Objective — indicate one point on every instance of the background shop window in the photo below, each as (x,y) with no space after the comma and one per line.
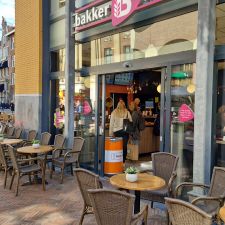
(108,55)
(58,60)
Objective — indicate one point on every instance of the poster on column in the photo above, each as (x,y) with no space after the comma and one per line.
(185,113)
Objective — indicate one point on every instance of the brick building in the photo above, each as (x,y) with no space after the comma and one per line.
(7,63)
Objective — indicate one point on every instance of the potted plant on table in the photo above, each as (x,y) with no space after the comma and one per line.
(35,143)
(131,174)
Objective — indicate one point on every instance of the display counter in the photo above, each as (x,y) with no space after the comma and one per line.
(148,141)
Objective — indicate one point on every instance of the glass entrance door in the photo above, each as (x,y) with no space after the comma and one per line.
(181,127)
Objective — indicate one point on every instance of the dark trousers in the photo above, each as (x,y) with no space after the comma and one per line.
(125,136)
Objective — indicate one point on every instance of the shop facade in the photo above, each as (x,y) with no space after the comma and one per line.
(103,49)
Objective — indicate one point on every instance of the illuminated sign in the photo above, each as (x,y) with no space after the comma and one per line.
(99,12)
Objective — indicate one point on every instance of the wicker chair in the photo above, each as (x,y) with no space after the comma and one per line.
(32,134)
(184,213)
(212,202)
(3,128)
(115,208)
(17,133)
(69,158)
(10,132)
(24,170)
(45,138)
(86,180)
(6,165)
(164,166)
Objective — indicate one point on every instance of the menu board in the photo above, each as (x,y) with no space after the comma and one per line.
(123,79)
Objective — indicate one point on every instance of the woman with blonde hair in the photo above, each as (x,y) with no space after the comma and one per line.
(116,125)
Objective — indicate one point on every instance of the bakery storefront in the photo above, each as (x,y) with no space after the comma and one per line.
(138,49)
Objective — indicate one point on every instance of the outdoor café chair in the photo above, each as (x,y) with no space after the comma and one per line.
(116,208)
(69,158)
(21,170)
(10,132)
(164,166)
(5,164)
(87,180)
(214,199)
(45,138)
(3,128)
(184,213)
(17,133)
(32,134)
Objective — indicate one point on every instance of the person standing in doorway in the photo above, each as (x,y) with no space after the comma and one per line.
(116,125)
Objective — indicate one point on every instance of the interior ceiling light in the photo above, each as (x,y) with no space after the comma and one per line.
(191,88)
(159,88)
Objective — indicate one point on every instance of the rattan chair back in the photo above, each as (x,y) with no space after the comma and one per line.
(45,138)
(10,131)
(13,158)
(112,207)
(31,135)
(3,160)
(3,128)
(59,141)
(18,132)
(184,213)
(78,143)
(164,165)
(87,180)
(217,186)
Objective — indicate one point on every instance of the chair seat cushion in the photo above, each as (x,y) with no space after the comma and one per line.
(30,168)
(156,195)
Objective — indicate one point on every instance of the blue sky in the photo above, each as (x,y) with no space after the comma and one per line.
(7,9)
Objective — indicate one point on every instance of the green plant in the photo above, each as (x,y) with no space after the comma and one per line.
(1,135)
(131,170)
(35,142)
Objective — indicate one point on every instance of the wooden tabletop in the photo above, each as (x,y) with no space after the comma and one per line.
(222,213)
(145,182)
(8,141)
(32,150)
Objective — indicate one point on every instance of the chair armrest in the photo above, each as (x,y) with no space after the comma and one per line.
(56,150)
(218,200)
(142,215)
(171,180)
(69,152)
(188,184)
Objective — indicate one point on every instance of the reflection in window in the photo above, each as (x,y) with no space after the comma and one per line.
(220,27)
(58,60)
(108,55)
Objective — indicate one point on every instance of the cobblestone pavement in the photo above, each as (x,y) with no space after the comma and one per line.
(60,204)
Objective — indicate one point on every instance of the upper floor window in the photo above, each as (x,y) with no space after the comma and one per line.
(12,43)
(13,61)
(127,51)
(108,55)
(13,79)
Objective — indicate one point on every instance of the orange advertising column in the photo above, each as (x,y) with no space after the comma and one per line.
(113,155)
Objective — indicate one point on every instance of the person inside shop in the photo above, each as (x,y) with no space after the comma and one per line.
(116,125)
(138,121)
(220,123)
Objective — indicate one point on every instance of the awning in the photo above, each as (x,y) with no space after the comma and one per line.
(2,87)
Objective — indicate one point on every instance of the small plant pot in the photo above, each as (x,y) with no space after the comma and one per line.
(36,145)
(131,177)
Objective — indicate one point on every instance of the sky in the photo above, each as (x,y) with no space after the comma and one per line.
(7,9)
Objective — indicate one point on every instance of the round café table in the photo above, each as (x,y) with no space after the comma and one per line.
(222,213)
(145,182)
(43,149)
(9,141)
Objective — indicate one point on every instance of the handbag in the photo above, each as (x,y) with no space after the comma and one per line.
(132,151)
(128,126)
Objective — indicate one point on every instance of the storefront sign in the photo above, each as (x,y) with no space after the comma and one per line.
(185,113)
(98,12)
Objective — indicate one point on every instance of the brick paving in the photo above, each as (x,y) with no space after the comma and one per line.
(60,204)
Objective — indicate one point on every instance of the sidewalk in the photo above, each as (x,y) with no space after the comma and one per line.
(61,204)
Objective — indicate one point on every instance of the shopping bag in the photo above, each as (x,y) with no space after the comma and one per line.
(128,126)
(132,151)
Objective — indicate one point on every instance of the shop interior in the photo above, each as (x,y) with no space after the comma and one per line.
(146,86)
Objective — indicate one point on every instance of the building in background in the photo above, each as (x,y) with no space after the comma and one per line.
(7,64)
